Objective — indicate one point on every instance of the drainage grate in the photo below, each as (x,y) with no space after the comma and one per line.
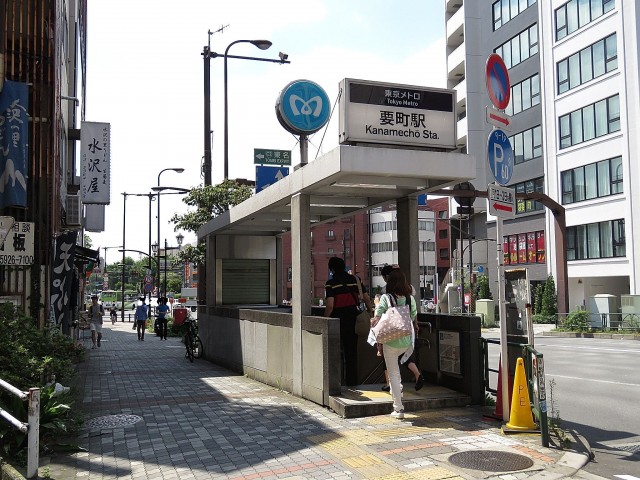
(113,421)
(490,461)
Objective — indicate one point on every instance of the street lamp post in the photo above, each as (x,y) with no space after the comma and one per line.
(180,239)
(262,45)
(177,170)
(208,55)
(471,242)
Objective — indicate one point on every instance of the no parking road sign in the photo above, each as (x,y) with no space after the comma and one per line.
(497,79)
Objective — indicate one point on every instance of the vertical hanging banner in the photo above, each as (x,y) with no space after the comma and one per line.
(95,163)
(62,276)
(14,144)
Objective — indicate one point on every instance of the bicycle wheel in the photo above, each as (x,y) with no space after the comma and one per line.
(197,347)
(188,342)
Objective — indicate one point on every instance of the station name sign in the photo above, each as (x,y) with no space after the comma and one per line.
(392,114)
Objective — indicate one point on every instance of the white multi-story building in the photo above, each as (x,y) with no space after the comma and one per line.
(574,75)
(384,247)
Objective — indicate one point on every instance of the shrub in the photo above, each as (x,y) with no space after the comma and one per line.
(29,357)
(548,319)
(577,321)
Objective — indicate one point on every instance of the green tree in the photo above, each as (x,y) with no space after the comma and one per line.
(484,292)
(209,201)
(537,305)
(549,298)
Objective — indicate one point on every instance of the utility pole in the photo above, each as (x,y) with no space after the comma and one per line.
(206,55)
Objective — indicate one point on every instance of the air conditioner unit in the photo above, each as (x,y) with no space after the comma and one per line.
(74,210)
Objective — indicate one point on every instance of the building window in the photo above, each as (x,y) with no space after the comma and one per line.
(444,253)
(505,10)
(330,251)
(587,64)
(442,214)
(524,95)
(347,251)
(592,121)
(331,234)
(596,240)
(576,14)
(289,274)
(535,185)
(524,248)
(443,233)
(426,225)
(595,180)
(520,47)
(527,145)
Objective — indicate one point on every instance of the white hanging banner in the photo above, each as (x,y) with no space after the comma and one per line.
(95,163)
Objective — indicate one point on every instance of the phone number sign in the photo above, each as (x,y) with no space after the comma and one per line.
(18,246)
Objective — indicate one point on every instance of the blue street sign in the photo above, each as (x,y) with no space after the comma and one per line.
(500,156)
(303,107)
(422,200)
(480,268)
(266,176)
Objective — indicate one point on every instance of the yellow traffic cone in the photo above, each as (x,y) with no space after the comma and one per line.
(521,418)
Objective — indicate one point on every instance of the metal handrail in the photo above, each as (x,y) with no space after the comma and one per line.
(31,427)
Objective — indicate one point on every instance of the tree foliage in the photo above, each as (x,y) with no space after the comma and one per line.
(549,298)
(484,291)
(209,202)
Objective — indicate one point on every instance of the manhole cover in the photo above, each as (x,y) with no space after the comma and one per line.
(113,421)
(490,461)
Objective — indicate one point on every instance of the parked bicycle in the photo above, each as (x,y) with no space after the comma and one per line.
(192,341)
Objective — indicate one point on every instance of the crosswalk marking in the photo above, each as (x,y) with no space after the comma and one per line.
(627,477)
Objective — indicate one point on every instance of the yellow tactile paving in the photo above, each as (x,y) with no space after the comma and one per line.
(362,461)
(394,476)
(406,431)
(380,420)
(379,471)
(434,473)
(363,437)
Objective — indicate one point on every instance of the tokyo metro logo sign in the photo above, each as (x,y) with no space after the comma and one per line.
(303,107)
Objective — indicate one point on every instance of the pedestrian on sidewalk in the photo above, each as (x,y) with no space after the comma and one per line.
(142,314)
(412,363)
(162,311)
(399,288)
(96,311)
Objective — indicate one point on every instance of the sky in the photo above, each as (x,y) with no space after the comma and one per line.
(145,78)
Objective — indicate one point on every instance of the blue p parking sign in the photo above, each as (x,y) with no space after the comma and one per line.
(500,156)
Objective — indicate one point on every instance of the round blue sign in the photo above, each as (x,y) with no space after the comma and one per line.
(303,107)
(500,156)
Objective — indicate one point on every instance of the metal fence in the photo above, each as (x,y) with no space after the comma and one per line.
(604,322)
(31,427)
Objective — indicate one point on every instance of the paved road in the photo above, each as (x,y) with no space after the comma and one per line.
(595,389)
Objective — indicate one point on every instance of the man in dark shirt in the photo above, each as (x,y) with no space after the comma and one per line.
(342,295)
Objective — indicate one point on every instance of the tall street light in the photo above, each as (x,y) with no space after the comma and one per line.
(262,45)
(173,191)
(177,170)
(208,55)
(180,239)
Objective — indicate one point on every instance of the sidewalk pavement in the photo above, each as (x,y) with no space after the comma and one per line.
(151,414)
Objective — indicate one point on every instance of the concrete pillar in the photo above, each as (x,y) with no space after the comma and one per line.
(301,279)
(280,275)
(408,241)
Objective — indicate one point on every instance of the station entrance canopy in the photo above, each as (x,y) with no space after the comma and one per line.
(342,182)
